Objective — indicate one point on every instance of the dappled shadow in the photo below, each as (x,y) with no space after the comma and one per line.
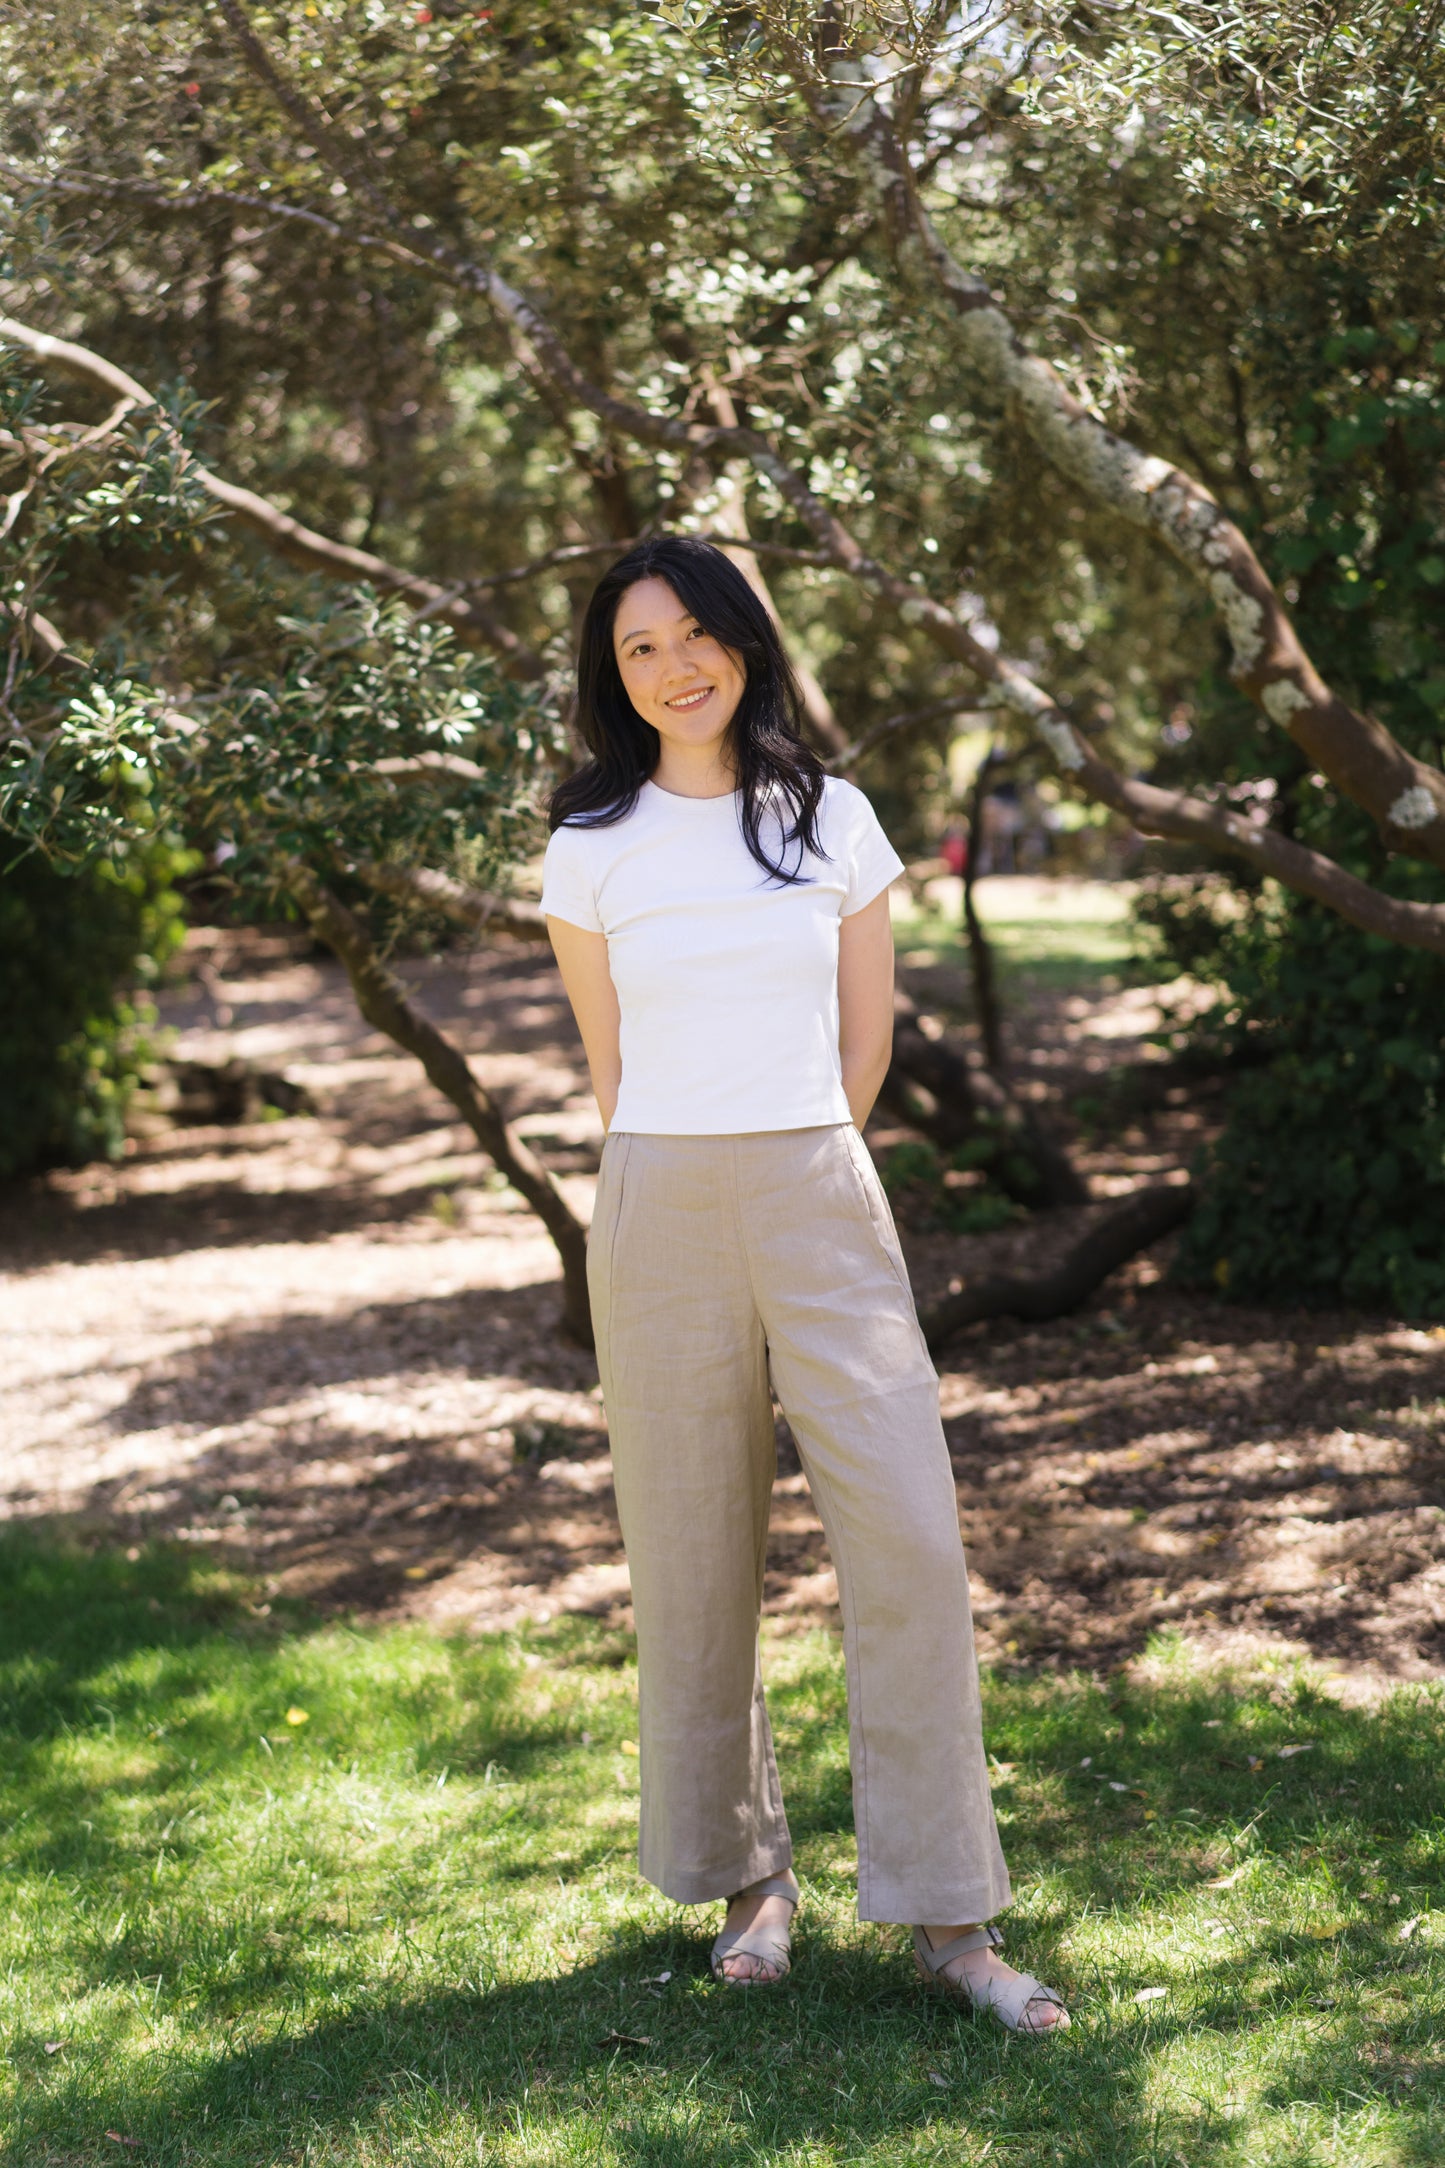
(626,2047)
(238,1373)
(44,1225)
(611,2071)
(1163,1461)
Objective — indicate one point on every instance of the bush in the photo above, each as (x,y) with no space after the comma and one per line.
(1328,1180)
(949,1195)
(75,952)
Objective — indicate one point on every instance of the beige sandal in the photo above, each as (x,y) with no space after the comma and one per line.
(761,1943)
(1009,2000)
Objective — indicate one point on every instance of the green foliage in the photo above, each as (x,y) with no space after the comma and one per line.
(334,726)
(76,951)
(1328,1180)
(952,1193)
(1223,226)
(371,736)
(279,1889)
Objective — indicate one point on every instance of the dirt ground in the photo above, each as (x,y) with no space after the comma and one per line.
(325,1345)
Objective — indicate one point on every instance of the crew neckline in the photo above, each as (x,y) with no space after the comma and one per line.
(685,797)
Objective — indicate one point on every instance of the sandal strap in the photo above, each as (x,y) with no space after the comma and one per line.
(977,1938)
(1011,2000)
(766,1947)
(775,1885)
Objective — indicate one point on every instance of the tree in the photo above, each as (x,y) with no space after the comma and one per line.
(469,297)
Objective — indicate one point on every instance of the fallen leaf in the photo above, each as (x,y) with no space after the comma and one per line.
(630,1746)
(1151,1994)
(1256,1761)
(415,1573)
(298,1716)
(120,2140)
(1214,1723)
(625,2040)
(936,2077)
(659,1979)
(1227,1881)
(1116,1787)
(1407,1928)
(53,2047)
(1285,1752)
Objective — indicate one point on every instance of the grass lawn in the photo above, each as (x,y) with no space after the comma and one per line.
(287,1891)
(1051,935)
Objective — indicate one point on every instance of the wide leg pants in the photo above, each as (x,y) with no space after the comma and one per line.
(713,1261)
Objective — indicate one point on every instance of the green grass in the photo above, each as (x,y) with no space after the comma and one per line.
(408,1930)
(1057,936)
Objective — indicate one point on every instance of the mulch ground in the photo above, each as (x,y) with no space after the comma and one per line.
(325,1345)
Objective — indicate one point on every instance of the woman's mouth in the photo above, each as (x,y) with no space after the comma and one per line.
(683,703)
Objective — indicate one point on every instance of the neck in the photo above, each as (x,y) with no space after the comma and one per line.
(695,771)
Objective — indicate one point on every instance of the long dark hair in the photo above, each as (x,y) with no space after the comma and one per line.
(777,773)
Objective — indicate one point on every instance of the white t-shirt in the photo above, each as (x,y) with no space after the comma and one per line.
(727,980)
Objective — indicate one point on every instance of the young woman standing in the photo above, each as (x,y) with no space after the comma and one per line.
(718,907)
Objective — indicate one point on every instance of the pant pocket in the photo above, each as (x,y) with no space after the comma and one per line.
(602,1237)
(876,1205)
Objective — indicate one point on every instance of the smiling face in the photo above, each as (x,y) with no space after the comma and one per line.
(677,676)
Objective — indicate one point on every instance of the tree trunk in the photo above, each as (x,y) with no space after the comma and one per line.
(1111,1242)
(383,1001)
(985,985)
(1028,1165)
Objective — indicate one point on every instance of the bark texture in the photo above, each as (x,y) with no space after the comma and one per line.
(1403,795)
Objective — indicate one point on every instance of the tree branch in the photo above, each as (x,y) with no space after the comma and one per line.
(908,720)
(1404,796)
(1029,1165)
(383,1001)
(1110,1242)
(469,908)
(1152,810)
(471,620)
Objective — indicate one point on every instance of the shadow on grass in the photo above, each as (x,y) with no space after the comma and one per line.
(135,1689)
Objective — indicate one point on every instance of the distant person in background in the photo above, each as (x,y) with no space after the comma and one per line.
(719,911)
(1003,817)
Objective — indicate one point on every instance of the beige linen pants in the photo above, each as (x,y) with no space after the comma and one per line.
(712,1261)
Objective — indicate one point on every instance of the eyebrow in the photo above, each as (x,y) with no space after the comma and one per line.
(683,617)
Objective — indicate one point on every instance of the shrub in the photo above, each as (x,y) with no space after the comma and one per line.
(76,952)
(1328,1180)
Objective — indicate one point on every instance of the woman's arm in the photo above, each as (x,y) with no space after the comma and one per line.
(865,1003)
(582,961)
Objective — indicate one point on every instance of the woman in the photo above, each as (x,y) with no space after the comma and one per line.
(719,910)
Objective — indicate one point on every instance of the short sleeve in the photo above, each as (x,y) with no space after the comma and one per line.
(869,858)
(568,888)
